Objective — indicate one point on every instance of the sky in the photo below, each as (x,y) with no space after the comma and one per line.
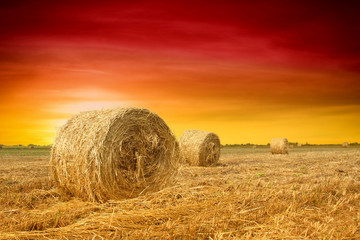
(249,71)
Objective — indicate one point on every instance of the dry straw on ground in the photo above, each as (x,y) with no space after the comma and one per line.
(279,146)
(199,148)
(114,154)
(314,193)
(345,144)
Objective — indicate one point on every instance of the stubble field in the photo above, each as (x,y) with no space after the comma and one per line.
(312,193)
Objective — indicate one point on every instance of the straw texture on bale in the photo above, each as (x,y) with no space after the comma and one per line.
(114,154)
(199,148)
(345,144)
(279,146)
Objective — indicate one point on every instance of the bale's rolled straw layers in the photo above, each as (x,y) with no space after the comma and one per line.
(345,144)
(114,154)
(279,146)
(199,148)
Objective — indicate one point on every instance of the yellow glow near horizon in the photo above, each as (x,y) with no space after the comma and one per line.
(242,103)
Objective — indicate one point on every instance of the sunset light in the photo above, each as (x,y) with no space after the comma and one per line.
(247,71)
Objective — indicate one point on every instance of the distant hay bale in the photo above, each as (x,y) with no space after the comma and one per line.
(199,148)
(114,154)
(345,144)
(254,146)
(299,145)
(279,146)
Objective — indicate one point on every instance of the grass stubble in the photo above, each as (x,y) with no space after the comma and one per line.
(312,193)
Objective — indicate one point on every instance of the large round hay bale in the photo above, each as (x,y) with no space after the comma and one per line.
(345,144)
(114,154)
(199,148)
(279,146)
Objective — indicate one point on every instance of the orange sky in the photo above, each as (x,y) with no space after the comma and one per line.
(246,80)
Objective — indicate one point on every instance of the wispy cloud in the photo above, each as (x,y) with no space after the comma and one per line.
(91,71)
(81,106)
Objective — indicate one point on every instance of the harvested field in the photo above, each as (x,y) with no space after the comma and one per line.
(311,193)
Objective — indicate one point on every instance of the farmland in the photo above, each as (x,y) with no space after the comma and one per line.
(313,192)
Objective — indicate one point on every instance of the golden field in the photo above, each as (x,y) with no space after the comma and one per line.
(311,193)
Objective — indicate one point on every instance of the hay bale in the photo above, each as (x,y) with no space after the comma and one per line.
(345,144)
(114,154)
(199,148)
(299,145)
(279,146)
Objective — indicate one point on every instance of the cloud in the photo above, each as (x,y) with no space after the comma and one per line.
(80,94)
(81,106)
(278,31)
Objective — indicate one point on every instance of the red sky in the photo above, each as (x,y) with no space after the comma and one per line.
(247,70)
